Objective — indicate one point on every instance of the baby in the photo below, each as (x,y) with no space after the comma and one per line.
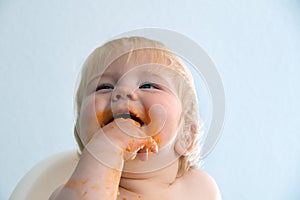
(137,127)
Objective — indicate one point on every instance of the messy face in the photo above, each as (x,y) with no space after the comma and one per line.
(136,90)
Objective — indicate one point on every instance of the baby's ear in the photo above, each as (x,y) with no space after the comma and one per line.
(184,146)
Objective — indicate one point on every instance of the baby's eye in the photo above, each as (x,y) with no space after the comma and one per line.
(105,87)
(148,86)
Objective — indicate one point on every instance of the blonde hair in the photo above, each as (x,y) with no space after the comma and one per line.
(139,48)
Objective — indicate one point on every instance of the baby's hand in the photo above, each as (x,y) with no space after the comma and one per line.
(120,140)
(129,136)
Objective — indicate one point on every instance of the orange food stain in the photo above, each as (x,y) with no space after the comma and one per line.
(76,182)
(111,181)
(116,175)
(130,146)
(77,185)
(96,186)
(157,139)
(83,182)
(134,110)
(136,123)
(80,185)
(152,142)
(112,178)
(102,116)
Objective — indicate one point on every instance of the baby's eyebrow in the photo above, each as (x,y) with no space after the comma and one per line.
(153,74)
(104,75)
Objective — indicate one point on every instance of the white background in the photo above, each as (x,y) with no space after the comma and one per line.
(254,44)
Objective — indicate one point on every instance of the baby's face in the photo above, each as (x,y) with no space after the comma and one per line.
(138,90)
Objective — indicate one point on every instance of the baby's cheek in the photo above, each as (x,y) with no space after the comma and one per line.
(168,133)
(162,139)
(88,122)
(102,110)
(101,116)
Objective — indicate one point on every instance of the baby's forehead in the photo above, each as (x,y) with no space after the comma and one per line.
(143,60)
(149,71)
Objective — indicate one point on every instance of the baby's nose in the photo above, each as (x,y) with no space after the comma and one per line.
(123,93)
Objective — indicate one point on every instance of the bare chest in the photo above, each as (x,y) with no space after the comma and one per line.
(170,194)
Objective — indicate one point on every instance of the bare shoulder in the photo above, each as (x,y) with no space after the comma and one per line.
(202,185)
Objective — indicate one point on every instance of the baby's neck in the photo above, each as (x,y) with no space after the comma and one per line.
(147,184)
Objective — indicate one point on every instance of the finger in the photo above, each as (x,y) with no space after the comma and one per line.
(130,128)
(153,147)
(132,149)
(143,154)
(129,155)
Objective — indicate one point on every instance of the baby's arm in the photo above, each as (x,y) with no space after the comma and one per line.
(91,180)
(98,172)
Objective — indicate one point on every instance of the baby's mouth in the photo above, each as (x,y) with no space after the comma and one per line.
(129,115)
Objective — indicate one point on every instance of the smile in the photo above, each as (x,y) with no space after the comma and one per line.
(129,115)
